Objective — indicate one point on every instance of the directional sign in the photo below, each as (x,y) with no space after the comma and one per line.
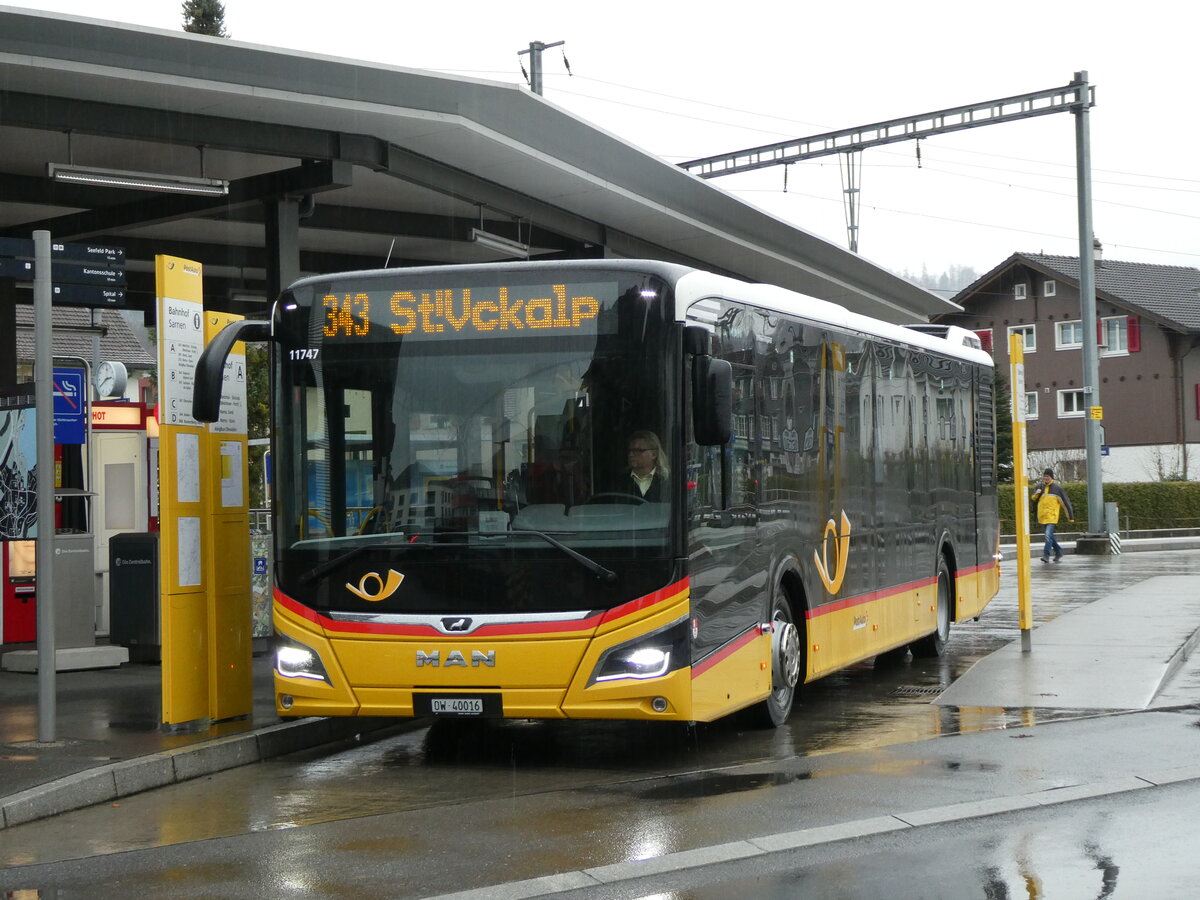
(81,274)
(16,268)
(70,407)
(65,272)
(99,254)
(86,295)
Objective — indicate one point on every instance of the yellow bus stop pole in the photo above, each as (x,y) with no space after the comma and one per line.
(1016,356)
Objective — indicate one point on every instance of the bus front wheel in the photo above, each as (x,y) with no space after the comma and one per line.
(787,657)
(933,645)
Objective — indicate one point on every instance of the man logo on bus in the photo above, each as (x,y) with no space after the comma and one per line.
(841,549)
(383,589)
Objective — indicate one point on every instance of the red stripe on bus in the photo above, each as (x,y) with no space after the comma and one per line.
(644,603)
(725,652)
(849,602)
(512,628)
(870,597)
(975,570)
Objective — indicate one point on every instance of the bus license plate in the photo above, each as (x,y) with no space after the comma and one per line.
(456,706)
(431,704)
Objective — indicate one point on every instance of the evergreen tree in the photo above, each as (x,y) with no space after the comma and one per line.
(204,17)
(1004,427)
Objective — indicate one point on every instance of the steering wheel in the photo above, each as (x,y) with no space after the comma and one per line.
(616,496)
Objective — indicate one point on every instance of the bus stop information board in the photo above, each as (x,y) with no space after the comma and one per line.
(181,330)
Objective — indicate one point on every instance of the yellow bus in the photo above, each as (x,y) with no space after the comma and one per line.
(609,489)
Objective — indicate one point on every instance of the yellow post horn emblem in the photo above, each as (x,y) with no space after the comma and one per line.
(382,590)
(841,549)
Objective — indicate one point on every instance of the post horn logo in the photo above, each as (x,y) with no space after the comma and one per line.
(841,550)
(382,590)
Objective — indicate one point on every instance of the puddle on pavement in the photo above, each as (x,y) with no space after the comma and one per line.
(699,786)
(694,787)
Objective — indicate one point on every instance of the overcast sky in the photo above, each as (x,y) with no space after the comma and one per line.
(685,81)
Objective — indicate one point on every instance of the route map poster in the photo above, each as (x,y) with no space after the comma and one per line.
(18,466)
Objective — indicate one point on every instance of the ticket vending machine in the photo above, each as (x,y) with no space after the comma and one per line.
(74,630)
(18,616)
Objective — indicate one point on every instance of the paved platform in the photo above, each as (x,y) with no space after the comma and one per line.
(109,741)
(1117,652)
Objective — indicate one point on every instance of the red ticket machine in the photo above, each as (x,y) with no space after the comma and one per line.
(19,609)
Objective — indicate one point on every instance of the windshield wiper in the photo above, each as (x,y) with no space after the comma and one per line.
(604,573)
(334,561)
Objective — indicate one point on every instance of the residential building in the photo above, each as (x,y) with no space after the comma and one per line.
(1148,332)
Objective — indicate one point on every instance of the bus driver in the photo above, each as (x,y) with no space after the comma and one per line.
(648,469)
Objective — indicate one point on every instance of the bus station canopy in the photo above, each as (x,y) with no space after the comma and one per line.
(335,164)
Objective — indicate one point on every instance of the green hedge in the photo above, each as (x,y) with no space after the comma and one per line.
(1142,505)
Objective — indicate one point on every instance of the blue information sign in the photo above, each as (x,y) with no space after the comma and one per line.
(70,407)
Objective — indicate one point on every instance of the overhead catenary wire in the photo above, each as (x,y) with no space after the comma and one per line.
(935,165)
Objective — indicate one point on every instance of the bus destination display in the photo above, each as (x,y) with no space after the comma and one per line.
(469,312)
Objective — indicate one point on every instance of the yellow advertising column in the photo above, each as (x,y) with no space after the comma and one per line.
(183,606)
(227,530)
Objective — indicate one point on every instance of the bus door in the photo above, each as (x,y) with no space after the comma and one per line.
(727,567)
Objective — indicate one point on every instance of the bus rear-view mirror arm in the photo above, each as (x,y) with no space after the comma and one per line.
(210,370)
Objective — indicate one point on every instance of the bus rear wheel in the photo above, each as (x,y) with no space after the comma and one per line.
(787,659)
(933,645)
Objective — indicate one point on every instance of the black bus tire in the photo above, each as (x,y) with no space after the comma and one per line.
(787,664)
(934,645)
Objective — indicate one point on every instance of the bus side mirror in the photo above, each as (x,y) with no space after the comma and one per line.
(712,401)
(210,370)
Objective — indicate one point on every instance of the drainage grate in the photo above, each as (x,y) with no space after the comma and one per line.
(918,690)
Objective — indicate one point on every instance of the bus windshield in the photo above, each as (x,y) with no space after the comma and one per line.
(412,424)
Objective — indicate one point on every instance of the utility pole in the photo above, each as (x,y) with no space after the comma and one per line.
(535,63)
(43,377)
(1095,541)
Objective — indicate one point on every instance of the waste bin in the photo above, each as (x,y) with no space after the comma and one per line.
(134,595)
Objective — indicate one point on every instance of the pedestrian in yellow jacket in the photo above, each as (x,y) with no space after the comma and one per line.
(1051,502)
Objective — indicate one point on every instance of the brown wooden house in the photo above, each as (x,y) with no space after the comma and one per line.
(1148,329)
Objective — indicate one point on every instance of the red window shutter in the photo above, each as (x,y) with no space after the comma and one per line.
(985,338)
(1099,332)
(1134,337)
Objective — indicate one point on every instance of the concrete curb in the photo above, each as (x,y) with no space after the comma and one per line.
(810,837)
(1128,545)
(1176,661)
(107,783)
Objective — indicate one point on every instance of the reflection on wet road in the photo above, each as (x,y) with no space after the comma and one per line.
(467,764)
(1099,849)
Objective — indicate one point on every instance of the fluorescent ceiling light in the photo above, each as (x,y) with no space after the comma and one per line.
(502,244)
(140,181)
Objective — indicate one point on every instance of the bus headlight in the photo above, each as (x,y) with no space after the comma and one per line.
(295,660)
(648,656)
